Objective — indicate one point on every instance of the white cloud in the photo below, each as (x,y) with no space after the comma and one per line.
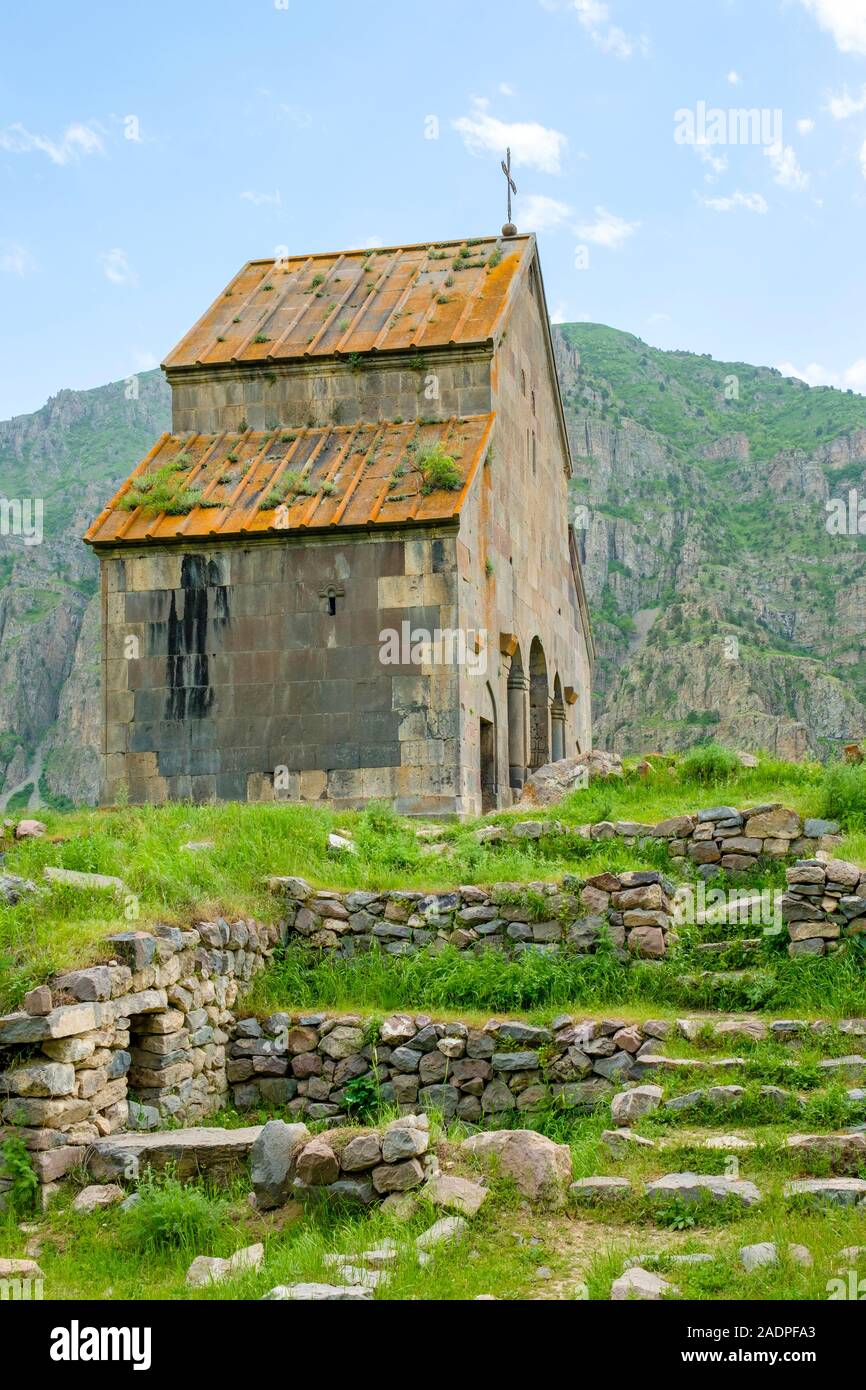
(506,90)
(559,314)
(845,20)
(863,158)
(536,146)
(852,378)
(77,140)
(263,199)
(659,317)
(734,78)
(594,17)
(607,230)
(752,202)
(115,264)
(371,243)
(855,376)
(15,259)
(845,105)
(539,213)
(786,169)
(717,162)
(806,125)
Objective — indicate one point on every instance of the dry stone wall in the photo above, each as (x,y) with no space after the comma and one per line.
(720,837)
(414,1062)
(825,901)
(631,909)
(133,1042)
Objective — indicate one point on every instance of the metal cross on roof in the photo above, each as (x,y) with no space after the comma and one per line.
(509,229)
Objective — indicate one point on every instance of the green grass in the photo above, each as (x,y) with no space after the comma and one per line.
(63,927)
(510,1251)
(540,985)
(99,1256)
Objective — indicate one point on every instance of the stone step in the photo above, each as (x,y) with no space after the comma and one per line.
(834,1192)
(220,1153)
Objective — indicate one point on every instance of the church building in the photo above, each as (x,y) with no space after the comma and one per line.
(348,574)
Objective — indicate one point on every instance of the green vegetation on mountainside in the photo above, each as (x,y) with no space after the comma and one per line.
(681,395)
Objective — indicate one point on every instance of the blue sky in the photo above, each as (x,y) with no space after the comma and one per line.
(147,151)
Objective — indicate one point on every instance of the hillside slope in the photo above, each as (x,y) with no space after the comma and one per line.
(721,603)
(71,454)
(705,522)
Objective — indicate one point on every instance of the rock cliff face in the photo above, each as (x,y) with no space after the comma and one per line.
(66,458)
(722,605)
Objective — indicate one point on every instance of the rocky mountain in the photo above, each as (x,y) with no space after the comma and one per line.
(722,605)
(61,464)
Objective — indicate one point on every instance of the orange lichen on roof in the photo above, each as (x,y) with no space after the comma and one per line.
(260,483)
(392,299)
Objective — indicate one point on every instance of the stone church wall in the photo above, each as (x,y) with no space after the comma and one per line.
(223,665)
(331,393)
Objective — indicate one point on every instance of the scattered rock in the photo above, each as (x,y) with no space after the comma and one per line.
(696,1187)
(728,1142)
(271,1160)
(443,1232)
(359,1277)
(98,1195)
(753,1256)
(599,1189)
(456,1194)
(29,830)
(338,844)
(639,1283)
(73,878)
(618,1141)
(554,781)
(20,1269)
(539,1168)
(209,1269)
(628,1106)
(401,1205)
(38,1001)
(836,1192)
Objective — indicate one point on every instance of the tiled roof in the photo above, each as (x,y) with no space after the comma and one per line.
(391,299)
(276,481)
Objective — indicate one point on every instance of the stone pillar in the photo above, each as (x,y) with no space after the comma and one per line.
(557,731)
(518,688)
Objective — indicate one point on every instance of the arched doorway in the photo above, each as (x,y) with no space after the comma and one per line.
(539,707)
(518,685)
(557,722)
(487,746)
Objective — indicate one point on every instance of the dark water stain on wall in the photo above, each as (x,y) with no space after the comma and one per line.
(190,693)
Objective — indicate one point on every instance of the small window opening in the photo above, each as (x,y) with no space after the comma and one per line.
(329,598)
